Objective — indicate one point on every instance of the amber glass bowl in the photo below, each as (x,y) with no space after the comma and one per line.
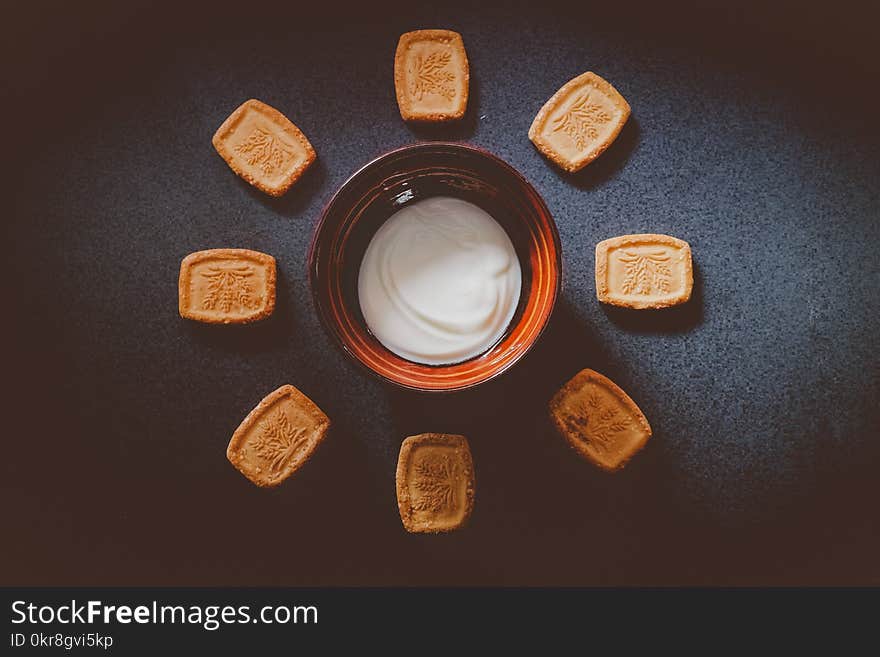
(406,175)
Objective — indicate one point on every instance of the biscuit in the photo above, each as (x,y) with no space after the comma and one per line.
(644,271)
(277,437)
(579,122)
(431,75)
(599,420)
(226,286)
(262,146)
(435,482)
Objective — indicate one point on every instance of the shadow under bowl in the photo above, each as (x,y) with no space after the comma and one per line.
(407,175)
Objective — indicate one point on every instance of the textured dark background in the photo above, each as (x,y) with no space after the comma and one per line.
(754,137)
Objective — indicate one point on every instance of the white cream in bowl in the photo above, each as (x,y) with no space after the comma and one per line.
(439,282)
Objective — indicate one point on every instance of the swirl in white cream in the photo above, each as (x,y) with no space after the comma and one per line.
(440,281)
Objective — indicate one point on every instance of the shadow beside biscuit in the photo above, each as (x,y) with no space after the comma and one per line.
(675,319)
(298,196)
(609,163)
(261,336)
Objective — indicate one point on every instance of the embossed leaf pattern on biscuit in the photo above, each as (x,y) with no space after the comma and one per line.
(264,150)
(228,287)
(582,120)
(645,273)
(604,422)
(598,421)
(435,483)
(431,78)
(278,440)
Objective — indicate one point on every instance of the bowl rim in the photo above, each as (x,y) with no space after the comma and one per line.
(415,146)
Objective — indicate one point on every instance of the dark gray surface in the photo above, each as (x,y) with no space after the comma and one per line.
(762,391)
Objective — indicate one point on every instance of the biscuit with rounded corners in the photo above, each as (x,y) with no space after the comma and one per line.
(435,482)
(579,122)
(644,271)
(431,76)
(277,437)
(599,420)
(264,147)
(226,286)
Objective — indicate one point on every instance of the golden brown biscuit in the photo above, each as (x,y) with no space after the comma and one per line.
(262,146)
(277,437)
(435,482)
(226,286)
(431,75)
(644,271)
(599,420)
(579,122)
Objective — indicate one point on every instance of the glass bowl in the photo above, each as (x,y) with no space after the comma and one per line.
(405,175)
